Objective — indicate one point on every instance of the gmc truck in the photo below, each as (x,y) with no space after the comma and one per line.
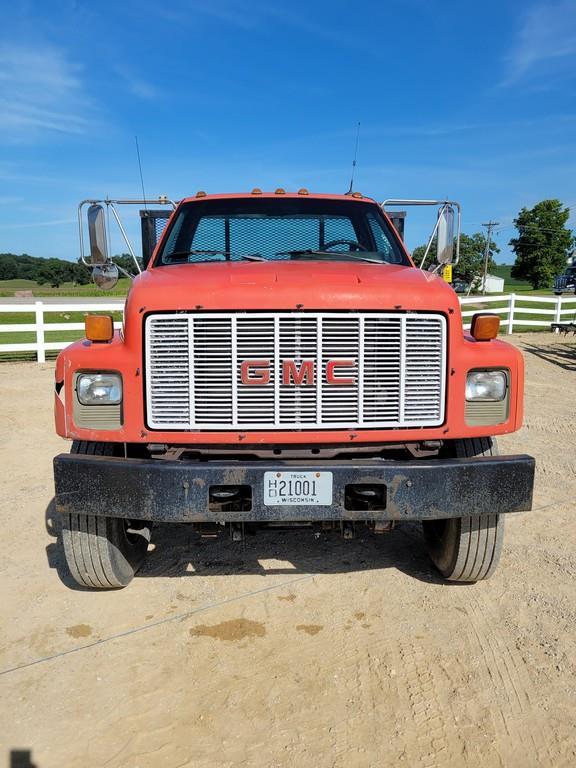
(282,360)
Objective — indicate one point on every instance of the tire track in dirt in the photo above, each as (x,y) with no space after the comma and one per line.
(554,425)
(357,738)
(513,696)
(555,466)
(436,742)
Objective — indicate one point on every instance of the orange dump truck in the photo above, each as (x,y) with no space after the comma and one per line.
(282,360)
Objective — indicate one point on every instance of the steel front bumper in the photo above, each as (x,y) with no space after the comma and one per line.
(178,491)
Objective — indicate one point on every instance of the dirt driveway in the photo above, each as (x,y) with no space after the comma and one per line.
(292,650)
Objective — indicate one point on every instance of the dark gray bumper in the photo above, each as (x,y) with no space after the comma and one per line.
(178,491)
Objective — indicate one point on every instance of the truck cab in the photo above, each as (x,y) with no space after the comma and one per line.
(566,281)
(283,360)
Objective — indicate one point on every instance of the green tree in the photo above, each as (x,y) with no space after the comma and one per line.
(80,274)
(543,243)
(126,261)
(56,272)
(8,267)
(123,260)
(25,267)
(471,262)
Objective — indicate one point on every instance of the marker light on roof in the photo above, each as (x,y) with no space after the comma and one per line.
(256,191)
(280,191)
(201,193)
(303,191)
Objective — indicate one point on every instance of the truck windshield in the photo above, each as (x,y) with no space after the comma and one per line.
(271,229)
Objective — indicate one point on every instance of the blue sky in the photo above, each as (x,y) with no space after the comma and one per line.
(473,101)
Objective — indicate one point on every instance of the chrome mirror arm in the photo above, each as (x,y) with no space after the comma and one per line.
(430,240)
(125,236)
(121,269)
(161,200)
(443,203)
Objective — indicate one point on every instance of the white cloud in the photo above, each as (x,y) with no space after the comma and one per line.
(229,12)
(29,224)
(137,85)
(40,91)
(546,40)
(257,13)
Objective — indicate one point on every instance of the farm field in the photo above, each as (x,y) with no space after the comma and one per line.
(513,285)
(9,288)
(336,653)
(90,292)
(50,318)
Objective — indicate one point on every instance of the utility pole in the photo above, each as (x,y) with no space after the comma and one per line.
(489,226)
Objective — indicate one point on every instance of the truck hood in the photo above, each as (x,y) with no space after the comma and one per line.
(289,285)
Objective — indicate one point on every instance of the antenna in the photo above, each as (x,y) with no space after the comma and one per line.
(354,161)
(140,168)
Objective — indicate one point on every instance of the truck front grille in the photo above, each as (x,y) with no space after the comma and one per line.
(305,371)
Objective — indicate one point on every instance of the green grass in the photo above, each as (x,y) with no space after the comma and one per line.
(512,285)
(29,337)
(523,291)
(490,306)
(504,270)
(9,287)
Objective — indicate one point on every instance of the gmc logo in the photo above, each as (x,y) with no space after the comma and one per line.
(257,372)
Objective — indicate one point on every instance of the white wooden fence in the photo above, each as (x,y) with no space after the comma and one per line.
(517,311)
(514,308)
(40,327)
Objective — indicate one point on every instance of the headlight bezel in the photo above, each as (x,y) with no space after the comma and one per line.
(111,379)
(488,376)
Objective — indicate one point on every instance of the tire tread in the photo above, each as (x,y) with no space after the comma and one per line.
(470,547)
(96,549)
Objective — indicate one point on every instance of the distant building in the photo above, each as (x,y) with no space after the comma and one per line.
(494,284)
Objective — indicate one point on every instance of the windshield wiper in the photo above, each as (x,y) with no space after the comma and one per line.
(251,256)
(208,252)
(310,252)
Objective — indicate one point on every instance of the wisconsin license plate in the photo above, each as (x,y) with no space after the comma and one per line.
(298,488)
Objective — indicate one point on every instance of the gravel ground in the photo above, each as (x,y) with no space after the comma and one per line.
(292,650)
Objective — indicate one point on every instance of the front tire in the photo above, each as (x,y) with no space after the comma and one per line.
(101,552)
(468,548)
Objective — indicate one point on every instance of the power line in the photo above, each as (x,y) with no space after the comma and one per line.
(532,227)
(490,225)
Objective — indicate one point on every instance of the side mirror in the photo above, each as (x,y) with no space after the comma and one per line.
(105,276)
(97,235)
(445,235)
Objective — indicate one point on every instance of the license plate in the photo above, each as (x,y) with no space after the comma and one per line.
(298,488)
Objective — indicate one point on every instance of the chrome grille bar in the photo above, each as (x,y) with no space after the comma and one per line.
(388,370)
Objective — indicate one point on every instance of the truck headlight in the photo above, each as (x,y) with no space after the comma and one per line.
(486,385)
(99,388)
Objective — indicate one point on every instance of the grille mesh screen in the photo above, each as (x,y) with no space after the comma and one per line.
(226,371)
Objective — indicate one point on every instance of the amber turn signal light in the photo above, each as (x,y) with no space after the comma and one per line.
(99,327)
(485,326)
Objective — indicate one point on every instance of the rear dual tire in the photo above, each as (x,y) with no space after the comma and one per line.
(468,548)
(101,552)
